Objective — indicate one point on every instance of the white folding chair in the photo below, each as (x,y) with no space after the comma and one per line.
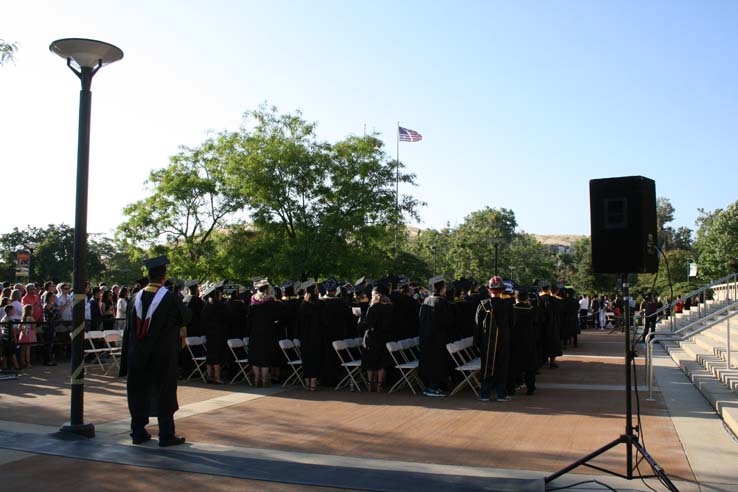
(93,337)
(298,346)
(294,360)
(197,349)
(349,363)
(467,366)
(113,339)
(238,349)
(408,370)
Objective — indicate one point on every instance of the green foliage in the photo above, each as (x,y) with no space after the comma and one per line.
(316,209)
(7,51)
(52,248)
(582,278)
(717,242)
(678,266)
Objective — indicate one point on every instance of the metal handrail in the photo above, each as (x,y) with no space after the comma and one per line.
(722,280)
(650,338)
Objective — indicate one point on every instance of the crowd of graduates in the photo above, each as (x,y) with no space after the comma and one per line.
(517,331)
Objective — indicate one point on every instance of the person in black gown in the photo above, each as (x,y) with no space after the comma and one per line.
(549,326)
(309,330)
(493,319)
(378,326)
(263,318)
(215,326)
(150,351)
(523,342)
(339,323)
(435,322)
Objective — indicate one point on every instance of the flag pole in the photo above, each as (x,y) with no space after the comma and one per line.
(397,189)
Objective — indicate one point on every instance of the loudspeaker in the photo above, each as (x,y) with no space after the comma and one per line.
(623,218)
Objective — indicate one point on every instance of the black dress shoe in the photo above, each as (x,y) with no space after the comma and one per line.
(142,439)
(171,441)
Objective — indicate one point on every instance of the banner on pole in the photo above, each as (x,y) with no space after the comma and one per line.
(693,269)
(22,264)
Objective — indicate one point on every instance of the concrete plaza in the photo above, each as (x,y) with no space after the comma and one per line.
(578,408)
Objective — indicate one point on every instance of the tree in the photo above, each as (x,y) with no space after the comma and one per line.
(53,252)
(7,51)
(584,279)
(664,215)
(188,201)
(332,207)
(717,242)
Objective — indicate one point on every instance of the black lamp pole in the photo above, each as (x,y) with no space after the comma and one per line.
(88,56)
(79,276)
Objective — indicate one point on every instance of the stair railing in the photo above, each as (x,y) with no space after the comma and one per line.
(677,336)
(724,285)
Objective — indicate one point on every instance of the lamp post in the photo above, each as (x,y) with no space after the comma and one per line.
(497,251)
(84,57)
(433,248)
(31,249)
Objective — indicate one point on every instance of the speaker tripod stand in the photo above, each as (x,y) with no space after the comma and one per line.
(630,439)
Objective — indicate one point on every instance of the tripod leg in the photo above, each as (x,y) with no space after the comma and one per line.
(657,470)
(585,459)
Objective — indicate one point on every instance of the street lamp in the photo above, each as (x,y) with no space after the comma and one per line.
(433,248)
(84,57)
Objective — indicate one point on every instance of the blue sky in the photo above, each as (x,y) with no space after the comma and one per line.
(520,103)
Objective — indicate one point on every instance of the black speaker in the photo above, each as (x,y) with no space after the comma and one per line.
(623,218)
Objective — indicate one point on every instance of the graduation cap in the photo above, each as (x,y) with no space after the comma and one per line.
(380,288)
(261,282)
(347,288)
(308,284)
(361,281)
(544,284)
(330,285)
(212,288)
(142,281)
(192,283)
(496,283)
(179,283)
(321,289)
(392,279)
(157,262)
(438,279)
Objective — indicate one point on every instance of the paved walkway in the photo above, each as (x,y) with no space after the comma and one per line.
(578,408)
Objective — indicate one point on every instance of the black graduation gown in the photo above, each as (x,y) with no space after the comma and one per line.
(151,364)
(264,339)
(405,316)
(215,326)
(550,327)
(311,337)
(571,307)
(467,309)
(493,321)
(523,339)
(435,321)
(288,324)
(338,323)
(379,322)
(237,313)
(194,327)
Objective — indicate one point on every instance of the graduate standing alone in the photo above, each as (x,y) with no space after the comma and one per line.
(150,355)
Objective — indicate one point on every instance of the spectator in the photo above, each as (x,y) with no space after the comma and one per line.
(50,286)
(51,318)
(26,336)
(107,310)
(8,338)
(64,303)
(121,308)
(15,301)
(95,314)
(33,299)
(679,304)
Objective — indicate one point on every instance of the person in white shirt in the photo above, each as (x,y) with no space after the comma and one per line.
(583,312)
(15,300)
(64,302)
(121,307)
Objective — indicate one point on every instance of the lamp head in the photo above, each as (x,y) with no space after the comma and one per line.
(86,53)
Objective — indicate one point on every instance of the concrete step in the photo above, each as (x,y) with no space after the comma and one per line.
(721,397)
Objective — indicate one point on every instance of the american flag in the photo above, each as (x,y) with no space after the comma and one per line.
(407,135)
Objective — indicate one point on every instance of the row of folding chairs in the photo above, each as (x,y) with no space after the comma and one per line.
(406,357)
(104,343)
(468,362)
